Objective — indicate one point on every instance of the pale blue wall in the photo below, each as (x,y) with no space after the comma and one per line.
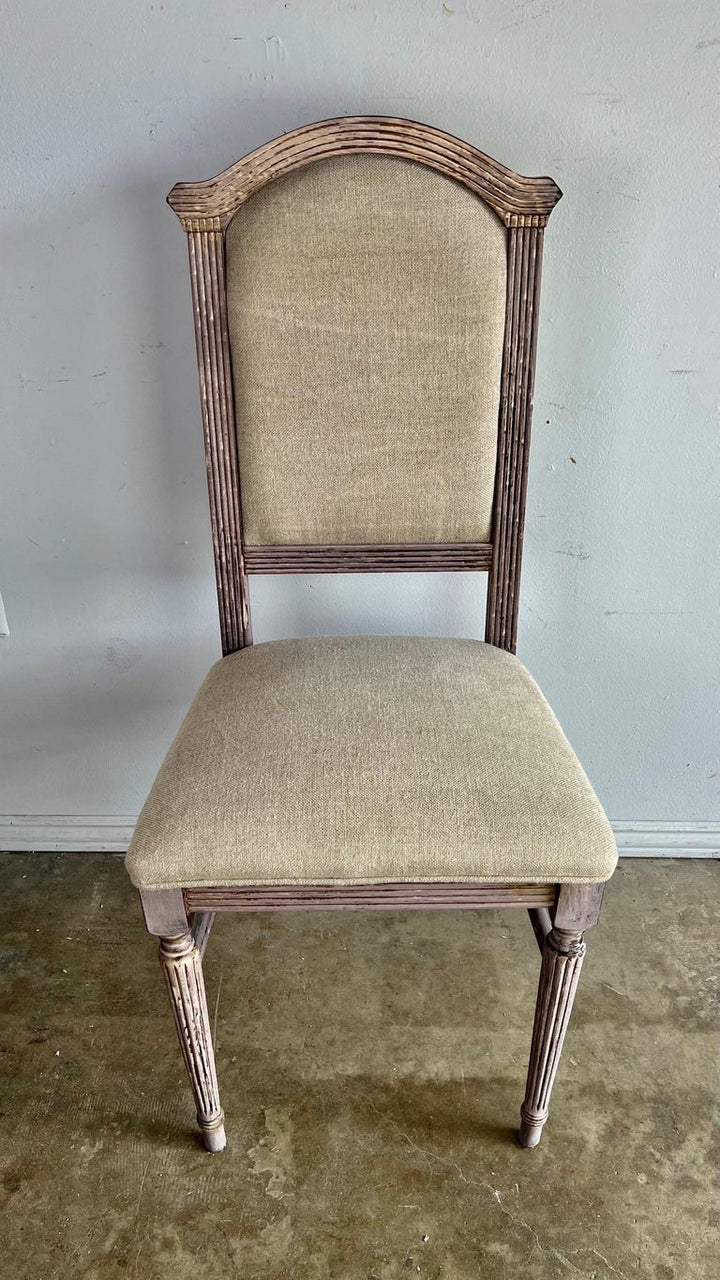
(106,564)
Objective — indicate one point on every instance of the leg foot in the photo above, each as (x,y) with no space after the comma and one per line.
(563,953)
(530,1130)
(213,1135)
(182,965)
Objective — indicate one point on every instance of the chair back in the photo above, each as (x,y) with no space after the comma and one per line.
(366,297)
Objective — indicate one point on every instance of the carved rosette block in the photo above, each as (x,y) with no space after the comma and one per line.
(182,965)
(563,954)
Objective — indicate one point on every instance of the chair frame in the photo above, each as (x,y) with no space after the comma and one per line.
(559,913)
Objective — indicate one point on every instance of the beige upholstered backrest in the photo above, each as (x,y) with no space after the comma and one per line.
(366,312)
(353,325)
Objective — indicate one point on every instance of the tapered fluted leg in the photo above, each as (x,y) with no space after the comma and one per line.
(563,953)
(182,965)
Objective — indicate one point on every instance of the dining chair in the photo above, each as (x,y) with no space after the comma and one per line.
(365,293)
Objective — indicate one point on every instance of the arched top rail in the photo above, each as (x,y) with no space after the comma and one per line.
(517,200)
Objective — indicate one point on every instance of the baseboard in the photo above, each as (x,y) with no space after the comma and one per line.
(60,834)
(667,839)
(40,833)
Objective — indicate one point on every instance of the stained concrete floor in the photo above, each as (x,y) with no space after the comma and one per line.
(371,1069)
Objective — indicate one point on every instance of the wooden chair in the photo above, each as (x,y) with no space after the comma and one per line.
(365,294)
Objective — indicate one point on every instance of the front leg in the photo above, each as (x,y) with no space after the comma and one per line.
(182,965)
(563,951)
(563,954)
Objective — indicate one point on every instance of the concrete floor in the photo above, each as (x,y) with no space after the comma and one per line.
(371,1069)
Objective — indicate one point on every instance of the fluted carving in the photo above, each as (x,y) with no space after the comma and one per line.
(517,200)
(207,275)
(205,209)
(562,960)
(525,245)
(182,966)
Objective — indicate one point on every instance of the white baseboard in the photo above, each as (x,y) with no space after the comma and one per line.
(59,834)
(64,834)
(667,839)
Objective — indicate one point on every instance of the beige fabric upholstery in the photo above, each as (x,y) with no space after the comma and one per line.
(366,300)
(370,759)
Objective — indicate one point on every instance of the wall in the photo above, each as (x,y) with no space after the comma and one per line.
(106,563)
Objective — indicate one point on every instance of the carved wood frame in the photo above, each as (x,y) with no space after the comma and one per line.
(559,913)
(205,209)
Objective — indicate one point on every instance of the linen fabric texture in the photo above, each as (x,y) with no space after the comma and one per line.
(366,312)
(367,760)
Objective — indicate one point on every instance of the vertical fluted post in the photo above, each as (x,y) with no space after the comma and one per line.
(182,966)
(563,953)
(525,245)
(206,245)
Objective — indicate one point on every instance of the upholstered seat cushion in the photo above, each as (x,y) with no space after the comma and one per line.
(366,759)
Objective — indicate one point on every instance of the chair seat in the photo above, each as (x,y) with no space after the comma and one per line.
(370,759)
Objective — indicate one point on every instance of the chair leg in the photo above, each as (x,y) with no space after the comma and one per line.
(563,952)
(182,965)
(202,923)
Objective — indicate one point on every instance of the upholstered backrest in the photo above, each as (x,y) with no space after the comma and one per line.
(365,296)
(366,312)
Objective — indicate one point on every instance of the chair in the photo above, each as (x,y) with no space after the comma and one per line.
(365,295)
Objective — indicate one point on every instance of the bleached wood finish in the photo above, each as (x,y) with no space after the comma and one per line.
(516,402)
(376,897)
(207,274)
(541,921)
(563,951)
(164,912)
(202,923)
(348,558)
(205,209)
(182,966)
(563,954)
(516,199)
(559,914)
(578,906)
